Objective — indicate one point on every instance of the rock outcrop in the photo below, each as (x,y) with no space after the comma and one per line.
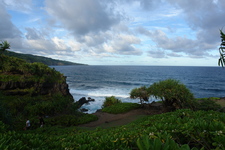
(83,100)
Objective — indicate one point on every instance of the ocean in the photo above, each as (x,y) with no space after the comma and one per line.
(99,82)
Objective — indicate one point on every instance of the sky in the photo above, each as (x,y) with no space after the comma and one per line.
(116,32)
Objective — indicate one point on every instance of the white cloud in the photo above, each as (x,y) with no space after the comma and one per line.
(82,16)
(96,30)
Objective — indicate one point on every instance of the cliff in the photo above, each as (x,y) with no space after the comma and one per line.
(31,89)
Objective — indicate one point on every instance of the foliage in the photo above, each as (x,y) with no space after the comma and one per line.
(71,120)
(110,101)
(47,61)
(19,70)
(221,60)
(145,143)
(140,93)
(5,115)
(120,108)
(172,93)
(198,129)
(23,107)
(4,45)
(207,104)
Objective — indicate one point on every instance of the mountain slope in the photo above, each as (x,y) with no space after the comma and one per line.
(33,58)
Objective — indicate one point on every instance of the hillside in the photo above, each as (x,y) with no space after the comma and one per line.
(28,90)
(33,58)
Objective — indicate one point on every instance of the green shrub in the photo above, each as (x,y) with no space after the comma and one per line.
(141,93)
(198,129)
(207,104)
(70,120)
(110,101)
(120,108)
(172,93)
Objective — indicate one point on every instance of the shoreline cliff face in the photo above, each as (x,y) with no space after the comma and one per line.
(18,77)
(32,89)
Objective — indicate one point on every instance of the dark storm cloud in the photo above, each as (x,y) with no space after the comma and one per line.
(83,16)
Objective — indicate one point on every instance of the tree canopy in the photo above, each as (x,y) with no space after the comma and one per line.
(172,93)
(140,93)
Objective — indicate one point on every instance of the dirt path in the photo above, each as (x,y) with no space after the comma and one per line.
(110,120)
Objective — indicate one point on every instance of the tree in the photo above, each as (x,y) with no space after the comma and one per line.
(221,60)
(4,46)
(172,93)
(140,93)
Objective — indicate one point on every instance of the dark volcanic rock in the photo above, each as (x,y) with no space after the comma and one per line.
(83,100)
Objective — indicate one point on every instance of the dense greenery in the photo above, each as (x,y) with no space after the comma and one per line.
(33,58)
(15,69)
(222,49)
(3,47)
(208,104)
(172,93)
(110,101)
(140,93)
(118,108)
(199,129)
(21,97)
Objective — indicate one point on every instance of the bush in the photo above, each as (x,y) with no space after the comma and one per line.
(207,104)
(71,120)
(110,101)
(172,93)
(140,93)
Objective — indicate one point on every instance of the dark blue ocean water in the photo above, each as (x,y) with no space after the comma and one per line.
(100,81)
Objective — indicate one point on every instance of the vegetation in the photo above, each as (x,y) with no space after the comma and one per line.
(140,93)
(15,69)
(25,93)
(110,101)
(207,104)
(221,60)
(118,108)
(172,93)
(3,47)
(33,58)
(183,129)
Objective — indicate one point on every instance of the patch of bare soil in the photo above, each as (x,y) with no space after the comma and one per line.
(221,102)
(111,120)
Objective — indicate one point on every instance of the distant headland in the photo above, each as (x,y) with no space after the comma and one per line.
(45,60)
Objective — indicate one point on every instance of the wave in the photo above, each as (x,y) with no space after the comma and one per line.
(213,89)
(100,93)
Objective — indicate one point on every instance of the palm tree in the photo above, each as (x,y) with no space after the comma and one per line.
(222,49)
(4,46)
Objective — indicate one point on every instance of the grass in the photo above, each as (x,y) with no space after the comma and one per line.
(119,108)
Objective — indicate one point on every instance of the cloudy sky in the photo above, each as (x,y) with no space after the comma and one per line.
(116,32)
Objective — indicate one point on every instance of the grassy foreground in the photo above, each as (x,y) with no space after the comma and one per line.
(173,130)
